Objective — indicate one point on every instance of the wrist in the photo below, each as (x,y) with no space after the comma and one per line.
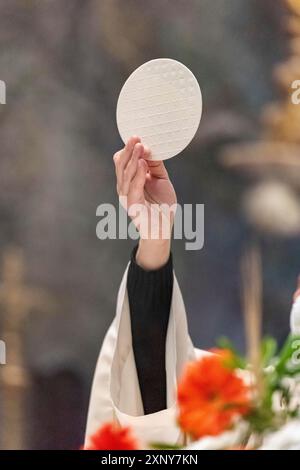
(153,254)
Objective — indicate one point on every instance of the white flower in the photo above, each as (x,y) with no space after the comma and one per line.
(287,438)
(223,441)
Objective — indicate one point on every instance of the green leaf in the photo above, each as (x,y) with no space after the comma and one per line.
(268,350)
(164,446)
(238,362)
(260,420)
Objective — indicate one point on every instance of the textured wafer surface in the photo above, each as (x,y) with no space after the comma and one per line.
(160,102)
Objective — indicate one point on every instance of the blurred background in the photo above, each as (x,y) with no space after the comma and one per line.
(64,63)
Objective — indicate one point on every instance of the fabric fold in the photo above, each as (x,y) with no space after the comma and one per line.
(116,393)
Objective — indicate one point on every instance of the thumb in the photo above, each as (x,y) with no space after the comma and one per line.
(157,169)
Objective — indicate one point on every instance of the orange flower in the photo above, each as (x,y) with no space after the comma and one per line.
(211,395)
(112,437)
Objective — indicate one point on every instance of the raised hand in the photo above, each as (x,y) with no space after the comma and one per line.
(145,183)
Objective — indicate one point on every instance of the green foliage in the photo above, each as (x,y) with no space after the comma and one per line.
(238,362)
(164,446)
(268,350)
(275,366)
(288,364)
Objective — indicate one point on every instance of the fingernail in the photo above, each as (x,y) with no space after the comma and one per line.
(147,152)
(139,147)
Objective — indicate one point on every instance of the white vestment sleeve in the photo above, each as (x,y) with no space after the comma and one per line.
(116,393)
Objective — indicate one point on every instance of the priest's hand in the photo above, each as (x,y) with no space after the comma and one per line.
(147,193)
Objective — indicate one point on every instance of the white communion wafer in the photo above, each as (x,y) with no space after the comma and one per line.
(161,103)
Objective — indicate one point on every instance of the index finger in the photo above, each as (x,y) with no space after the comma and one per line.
(122,157)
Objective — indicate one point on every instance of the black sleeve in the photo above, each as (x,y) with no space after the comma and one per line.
(150,295)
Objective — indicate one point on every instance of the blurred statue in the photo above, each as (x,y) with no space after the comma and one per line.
(272,205)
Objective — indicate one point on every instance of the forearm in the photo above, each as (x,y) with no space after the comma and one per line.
(153,254)
(150,294)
